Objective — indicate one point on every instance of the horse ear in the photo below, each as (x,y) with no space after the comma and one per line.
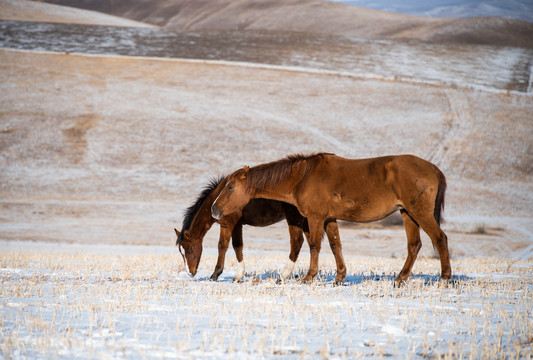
(244,173)
(186,234)
(177,232)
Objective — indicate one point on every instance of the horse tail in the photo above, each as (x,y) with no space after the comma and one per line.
(439,200)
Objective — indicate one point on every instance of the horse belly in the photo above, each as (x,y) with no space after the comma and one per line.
(262,212)
(363,207)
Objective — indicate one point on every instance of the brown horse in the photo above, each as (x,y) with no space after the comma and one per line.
(325,187)
(258,212)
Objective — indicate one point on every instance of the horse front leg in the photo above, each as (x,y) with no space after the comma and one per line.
(236,240)
(223,243)
(316,228)
(332,231)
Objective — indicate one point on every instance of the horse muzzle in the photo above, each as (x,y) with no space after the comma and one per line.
(216,212)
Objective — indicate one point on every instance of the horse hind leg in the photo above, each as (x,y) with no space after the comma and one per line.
(440,241)
(236,240)
(297,240)
(414,244)
(332,232)
(297,225)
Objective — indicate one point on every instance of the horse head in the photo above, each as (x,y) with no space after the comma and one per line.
(192,250)
(234,197)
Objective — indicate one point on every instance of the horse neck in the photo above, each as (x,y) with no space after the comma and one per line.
(284,191)
(203,220)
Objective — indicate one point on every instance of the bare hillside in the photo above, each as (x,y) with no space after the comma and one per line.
(35,11)
(113,149)
(313,16)
(103,149)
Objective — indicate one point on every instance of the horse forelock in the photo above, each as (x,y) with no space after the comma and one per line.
(192,210)
(266,176)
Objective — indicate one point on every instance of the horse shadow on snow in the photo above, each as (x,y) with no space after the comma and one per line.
(352,279)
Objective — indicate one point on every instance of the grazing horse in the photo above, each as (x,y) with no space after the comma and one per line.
(325,187)
(258,212)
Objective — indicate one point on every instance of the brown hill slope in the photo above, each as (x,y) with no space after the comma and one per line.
(113,149)
(314,16)
(23,10)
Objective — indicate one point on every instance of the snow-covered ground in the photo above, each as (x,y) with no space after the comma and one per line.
(72,301)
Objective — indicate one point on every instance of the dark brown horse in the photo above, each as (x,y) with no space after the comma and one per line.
(258,212)
(325,187)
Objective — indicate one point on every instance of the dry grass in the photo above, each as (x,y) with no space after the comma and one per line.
(79,305)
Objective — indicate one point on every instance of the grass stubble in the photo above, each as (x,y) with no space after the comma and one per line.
(65,305)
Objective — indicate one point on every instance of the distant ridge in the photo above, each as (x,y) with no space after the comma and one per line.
(313,16)
(24,10)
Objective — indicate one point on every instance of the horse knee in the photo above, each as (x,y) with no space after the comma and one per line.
(223,247)
(335,247)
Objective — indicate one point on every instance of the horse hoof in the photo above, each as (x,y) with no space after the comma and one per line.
(307,279)
(339,280)
(213,278)
(398,283)
(446,283)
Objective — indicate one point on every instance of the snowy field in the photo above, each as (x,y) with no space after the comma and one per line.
(106,302)
(111,149)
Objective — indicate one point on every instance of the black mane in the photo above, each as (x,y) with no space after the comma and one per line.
(191,211)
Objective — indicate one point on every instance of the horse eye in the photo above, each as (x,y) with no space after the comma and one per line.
(230,188)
